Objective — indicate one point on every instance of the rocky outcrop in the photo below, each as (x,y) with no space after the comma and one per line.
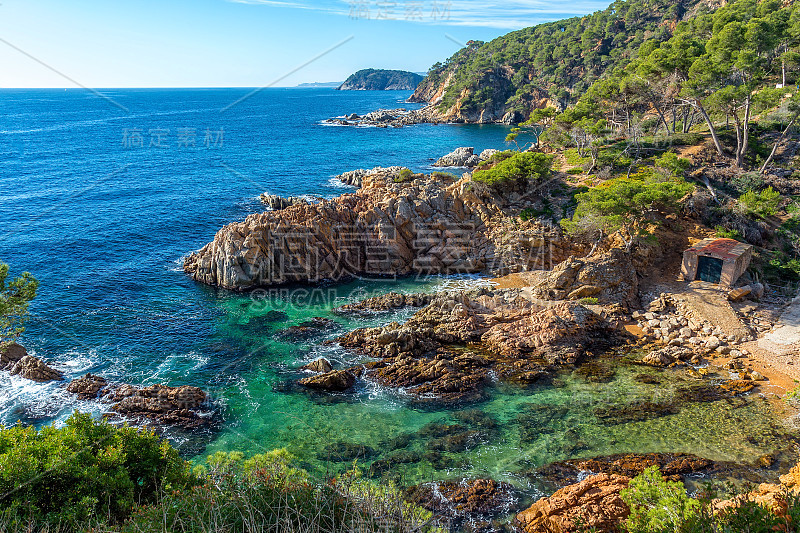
(516,338)
(185,406)
(460,157)
(16,360)
(87,387)
(276,203)
(333,381)
(386,302)
(667,356)
(773,496)
(610,277)
(355,178)
(430,225)
(594,504)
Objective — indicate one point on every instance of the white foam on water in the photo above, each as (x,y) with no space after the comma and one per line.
(336,183)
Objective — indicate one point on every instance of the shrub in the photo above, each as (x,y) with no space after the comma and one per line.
(575,171)
(84,471)
(625,202)
(405,175)
(588,301)
(519,167)
(672,164)
(728,234)
(444,176)
(762,204)
(657,505)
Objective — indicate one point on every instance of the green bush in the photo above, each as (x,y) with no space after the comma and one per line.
(672,164)
(657,505)
(405,175)
(588,301)
(762,204)
(728,234)
(86,470)
(519,167)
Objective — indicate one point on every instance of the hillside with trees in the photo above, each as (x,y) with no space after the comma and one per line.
(549,64)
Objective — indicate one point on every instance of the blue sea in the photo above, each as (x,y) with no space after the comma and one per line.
(101,198)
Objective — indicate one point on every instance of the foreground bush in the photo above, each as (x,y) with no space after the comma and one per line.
(90,475)
(87,470)
(661,506)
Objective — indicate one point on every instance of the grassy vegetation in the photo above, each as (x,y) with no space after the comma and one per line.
(90,475)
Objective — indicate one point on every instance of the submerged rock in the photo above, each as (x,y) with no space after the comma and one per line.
(475,501)
(673,466)
(593,504)
(307,329)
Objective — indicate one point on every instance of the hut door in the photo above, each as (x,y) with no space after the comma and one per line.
(709,269)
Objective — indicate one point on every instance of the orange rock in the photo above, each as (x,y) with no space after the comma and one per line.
(593,503)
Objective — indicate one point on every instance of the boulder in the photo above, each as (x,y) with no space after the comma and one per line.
(11,353)
(35,369)
(667,355)
(87,387)
(593,503)
(488,153)
(333,381)
(460,157)
(609,277)
(321,366)
(15,359)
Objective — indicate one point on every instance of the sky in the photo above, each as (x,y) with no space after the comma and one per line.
(245,43)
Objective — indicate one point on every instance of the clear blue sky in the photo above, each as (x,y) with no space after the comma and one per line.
(244,43)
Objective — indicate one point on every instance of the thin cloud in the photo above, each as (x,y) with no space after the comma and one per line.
(509,15)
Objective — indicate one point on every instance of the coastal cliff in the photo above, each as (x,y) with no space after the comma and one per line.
(428,225)
(551,64)
(381,80)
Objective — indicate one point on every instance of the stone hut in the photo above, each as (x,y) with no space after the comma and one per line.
(720,261)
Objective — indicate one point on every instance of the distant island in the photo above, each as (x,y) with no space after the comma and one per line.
(312,84)
(381,80)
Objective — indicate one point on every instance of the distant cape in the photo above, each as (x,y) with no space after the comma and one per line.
(381,80)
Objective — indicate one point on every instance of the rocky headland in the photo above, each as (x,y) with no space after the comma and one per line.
(429,225)
(381,80)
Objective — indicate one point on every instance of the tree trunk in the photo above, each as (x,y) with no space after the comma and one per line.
(711,128)
(777,143)
(745,133)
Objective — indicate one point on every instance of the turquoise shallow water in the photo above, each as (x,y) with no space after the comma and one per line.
(105,225)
